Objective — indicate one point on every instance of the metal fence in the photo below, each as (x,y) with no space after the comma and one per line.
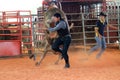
(83,30)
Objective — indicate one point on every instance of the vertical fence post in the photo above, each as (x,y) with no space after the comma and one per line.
(108,35)
(83,27)
(119,25)
(33,31)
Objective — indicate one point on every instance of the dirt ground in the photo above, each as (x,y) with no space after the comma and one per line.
(83,67)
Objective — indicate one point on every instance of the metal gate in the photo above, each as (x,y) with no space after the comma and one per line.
(15,33)
(85,20)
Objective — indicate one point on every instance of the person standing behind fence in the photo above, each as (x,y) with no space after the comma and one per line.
(64,37)
(99,35)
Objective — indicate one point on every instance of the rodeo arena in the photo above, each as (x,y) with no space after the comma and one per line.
(30,43)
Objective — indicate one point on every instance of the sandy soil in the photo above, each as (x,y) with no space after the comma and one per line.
(83,67)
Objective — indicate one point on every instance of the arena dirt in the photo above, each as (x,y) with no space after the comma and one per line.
(83,67)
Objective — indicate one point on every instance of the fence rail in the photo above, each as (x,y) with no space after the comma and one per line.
(83,30)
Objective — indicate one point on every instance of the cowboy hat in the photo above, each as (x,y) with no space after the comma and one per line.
(102,14)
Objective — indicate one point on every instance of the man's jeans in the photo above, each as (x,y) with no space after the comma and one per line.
(101,43)
(65,41)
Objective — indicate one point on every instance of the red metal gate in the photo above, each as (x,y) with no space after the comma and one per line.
(13,26)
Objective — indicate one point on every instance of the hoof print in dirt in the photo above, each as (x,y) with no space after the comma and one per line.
(37,63)
(56,63)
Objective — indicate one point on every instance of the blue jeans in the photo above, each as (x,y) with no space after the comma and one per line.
(101,43)
(65,41)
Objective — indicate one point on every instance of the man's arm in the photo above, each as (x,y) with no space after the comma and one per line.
(110,26)
(97,34)
(62,25)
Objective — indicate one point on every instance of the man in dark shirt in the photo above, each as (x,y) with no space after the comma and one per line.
(64,37)
(99,34)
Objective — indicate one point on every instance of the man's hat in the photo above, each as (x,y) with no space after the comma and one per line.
(102,14)
(57,15)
